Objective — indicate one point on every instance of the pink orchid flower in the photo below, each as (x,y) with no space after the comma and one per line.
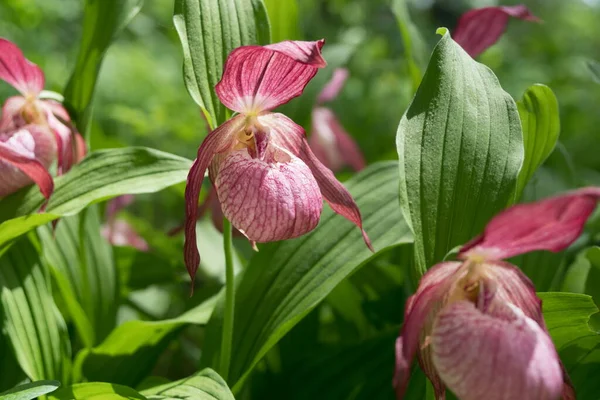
(480,28)
(268,181)
(117,231)
(477,325)
(330,142)
(30,109)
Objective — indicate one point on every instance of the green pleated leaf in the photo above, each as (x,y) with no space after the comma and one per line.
(30,319)
(460,148)
(101,175)
(96,391)
(81,262)
(283,16)
(205,385)
(130,352)
(209,30)
(103,20)
(30,391)
(284,281)
(567,317)
(538,111)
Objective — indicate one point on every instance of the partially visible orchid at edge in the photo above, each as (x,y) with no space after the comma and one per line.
(268,181)
(476,325)
(33,131)
(328,139)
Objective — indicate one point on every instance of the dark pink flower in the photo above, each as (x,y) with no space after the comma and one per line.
(330,142)
(476,326)
(30,109)
(117,231)
(480,28)
(268,181)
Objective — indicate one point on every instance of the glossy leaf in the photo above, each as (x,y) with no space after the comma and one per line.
(283,16)
(567,318)
(35,328)
(30,391)
(102,174)
(96,391)
(205,385)
(209,30)
(130,352)
(81,263)
(538,111)
(460,149)
(103,20)
(292,277)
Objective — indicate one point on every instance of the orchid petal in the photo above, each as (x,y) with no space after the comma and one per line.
(332,88)
(480,28)
(260,78)
(121,233)
(21,73)
(498,355)
(11,113)
(268,201)
(55,115)
(117,204)
(550,224)
(216,141)
(290,136)
(421,309)
(24,157)
(331,144)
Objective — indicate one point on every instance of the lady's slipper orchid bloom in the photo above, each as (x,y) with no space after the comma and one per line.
(268,181)
(480,28)
(117,231)
(30,109)
(330,142)
(477,325)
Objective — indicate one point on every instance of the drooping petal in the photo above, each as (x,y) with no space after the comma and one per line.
(260,78)
(287,134)
(21,73)
(268,201)
(218,140)
(11,114)
(421,309)
(332,88)
(498,355)
(331,144)
(550,224)
(121,233)
(480,28)
(24,158)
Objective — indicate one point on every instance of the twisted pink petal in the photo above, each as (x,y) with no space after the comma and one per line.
(551,224)
(332,88)
(288,135)
(15,69)
(480,28)
(24,158)
(331,144)
(260,78)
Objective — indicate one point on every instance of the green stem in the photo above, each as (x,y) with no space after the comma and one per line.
(227,339)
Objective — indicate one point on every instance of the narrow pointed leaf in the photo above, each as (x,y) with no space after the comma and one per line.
(209,30)
(205,385)
(30,391)
(538,111)
(294,276)
(460,149)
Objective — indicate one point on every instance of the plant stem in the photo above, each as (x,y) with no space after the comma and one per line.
(227,339)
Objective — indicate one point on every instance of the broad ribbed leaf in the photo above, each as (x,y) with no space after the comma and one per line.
(102,174)
(209,30)
(30,391)
(283,16)
(205,385)
(460,148)
(81,263)
(96,391)
(30,319)
(567,317)
(284,281)
(541,125)
(130,352)
(103,20)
